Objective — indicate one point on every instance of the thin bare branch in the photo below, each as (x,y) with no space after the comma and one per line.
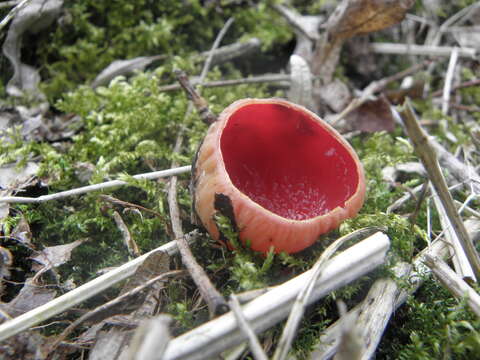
(303,296)
(425,50)
(459,288)
(95,187)
(222,333)
(81,293)
(215,301)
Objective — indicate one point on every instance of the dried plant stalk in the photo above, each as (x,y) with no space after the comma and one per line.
(80,294)
(453,282)
(263,312)
(427,155)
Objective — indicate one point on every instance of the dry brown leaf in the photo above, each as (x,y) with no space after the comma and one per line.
(372,116)
(355,17)
(25,346)
(31,296)
(54,256)
(115,341)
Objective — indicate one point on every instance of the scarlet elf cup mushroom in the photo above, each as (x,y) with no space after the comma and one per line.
(280,173)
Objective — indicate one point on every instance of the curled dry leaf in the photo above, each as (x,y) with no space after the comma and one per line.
(31,296)
(36,15)
(54,256)
(356,17)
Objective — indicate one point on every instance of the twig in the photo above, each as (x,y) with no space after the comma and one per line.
(232,82)
(301,301)
(215,301)
(126,204)
(255,346)
(295,20)
(459,259)
(465,84)
(427,155)
(459,288)
(448,80)
(462,172)
(265,311)
(130,243)
(198,101)
(216,44)
(112,303)
(393,294)
(95,187)
(377,86)
(229,52)
(425,50)
(80,294)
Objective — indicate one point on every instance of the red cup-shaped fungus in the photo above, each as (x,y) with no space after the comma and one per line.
(281,174)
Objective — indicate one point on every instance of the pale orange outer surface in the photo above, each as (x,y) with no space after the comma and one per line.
(260,226)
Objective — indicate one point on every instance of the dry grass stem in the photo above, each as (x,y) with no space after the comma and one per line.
(222,333)
(328,343)
(112,303)
(298,309)
(81,293)
(459,258)
(448,80)
(272,78)
(95,187)
(215,301)
(428,157)
(459,288)
(255,346)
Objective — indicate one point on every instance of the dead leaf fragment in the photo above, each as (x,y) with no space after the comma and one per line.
(31,296)
(372,116)
(26,346)
(17,178)
(54,256)
(355,17)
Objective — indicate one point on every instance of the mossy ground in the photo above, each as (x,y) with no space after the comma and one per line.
(130,127)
